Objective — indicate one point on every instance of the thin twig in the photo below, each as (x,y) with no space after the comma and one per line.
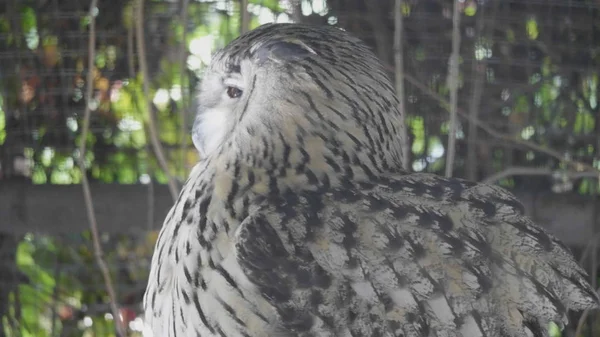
(594,256)
(399,69)
(132,71)
(478,68)
(18,307)
(577,165)
(89,205)
(154,139)
(582,320)
(535,171)
(453,84)
(245,17)
(183,16)
(130,47)
(381,32)
(588,246)
(592,243)
(55,294)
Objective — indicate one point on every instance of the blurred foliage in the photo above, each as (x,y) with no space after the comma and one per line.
(534,65)
(64,294)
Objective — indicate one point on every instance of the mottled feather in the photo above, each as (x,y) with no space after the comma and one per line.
(298,220)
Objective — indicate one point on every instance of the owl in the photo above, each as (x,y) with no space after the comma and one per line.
(298,220)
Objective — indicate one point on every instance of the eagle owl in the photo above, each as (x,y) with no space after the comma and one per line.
(299,221)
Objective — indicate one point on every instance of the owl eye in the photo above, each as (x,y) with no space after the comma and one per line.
(234,92)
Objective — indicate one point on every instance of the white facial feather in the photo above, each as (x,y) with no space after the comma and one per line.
(210,130)
(213,123)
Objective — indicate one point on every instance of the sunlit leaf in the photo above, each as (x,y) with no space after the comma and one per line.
(405,8)
(554,330)
(584,123)
(471,9)
(532,28)
(39,175)
(28,19)
(25,250)
(418,128)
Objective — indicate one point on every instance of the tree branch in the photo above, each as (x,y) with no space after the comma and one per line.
(296,10)
(158,151)
(582,319)
(98,253)
(453,84)
(399,69)
(535,171)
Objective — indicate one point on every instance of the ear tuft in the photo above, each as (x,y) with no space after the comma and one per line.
(282,51)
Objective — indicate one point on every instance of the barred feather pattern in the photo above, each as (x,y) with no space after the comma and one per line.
(300,221)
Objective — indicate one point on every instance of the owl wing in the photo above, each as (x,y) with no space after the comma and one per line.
(414,255)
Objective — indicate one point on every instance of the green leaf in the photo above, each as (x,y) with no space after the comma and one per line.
(417,125)
(28,19)
(25,251)
(532,28)
(584,123)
